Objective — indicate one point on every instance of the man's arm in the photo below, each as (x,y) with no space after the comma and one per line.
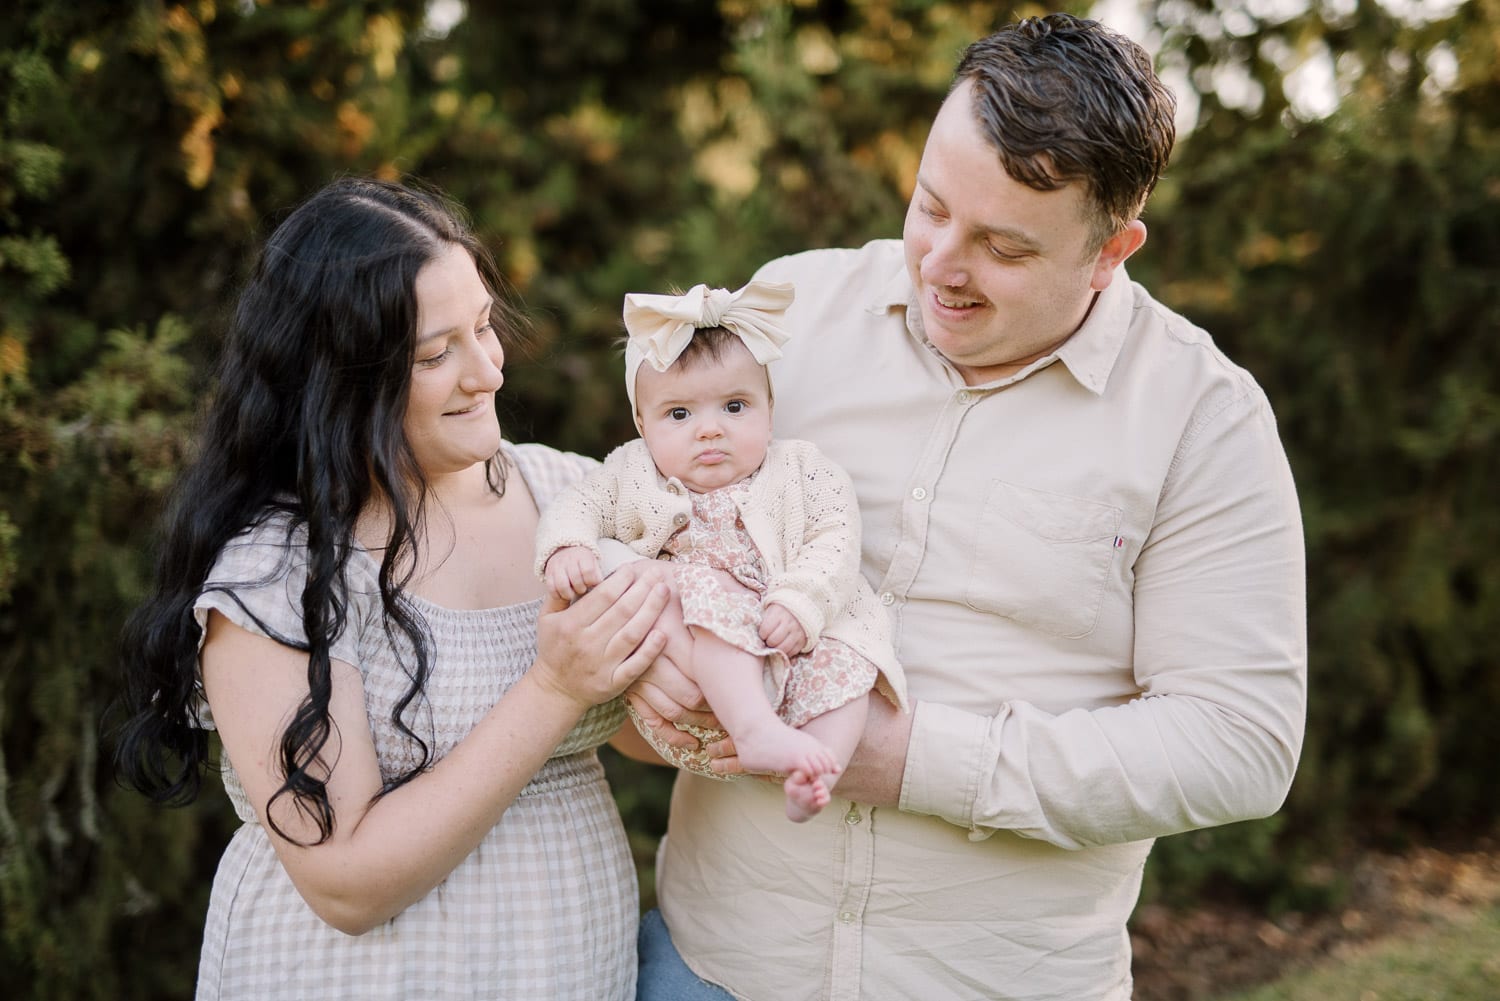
(1220,659)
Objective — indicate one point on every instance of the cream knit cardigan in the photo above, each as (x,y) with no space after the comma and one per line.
(800,513)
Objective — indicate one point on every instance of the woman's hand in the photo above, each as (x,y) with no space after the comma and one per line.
(666,694)
(591,650)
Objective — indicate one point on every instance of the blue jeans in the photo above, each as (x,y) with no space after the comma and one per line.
(663,974)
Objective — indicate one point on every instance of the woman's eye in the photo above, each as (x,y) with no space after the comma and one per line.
(436,359)
(734,406)
(677,414)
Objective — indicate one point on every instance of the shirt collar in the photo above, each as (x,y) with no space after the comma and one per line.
(891,289)
(1089,355)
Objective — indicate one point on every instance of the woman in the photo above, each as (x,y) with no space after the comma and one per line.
(344,593)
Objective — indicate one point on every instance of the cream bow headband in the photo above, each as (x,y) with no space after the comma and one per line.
(660,326)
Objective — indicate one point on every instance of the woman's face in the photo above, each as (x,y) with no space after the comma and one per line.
(450,416)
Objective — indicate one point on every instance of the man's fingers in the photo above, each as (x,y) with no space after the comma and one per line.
(670,690)
(665,732)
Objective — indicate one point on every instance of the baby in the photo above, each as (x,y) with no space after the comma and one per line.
(762,535)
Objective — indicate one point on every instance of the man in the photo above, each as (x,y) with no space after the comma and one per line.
(1081,519)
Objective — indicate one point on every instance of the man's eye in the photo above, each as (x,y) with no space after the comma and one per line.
(677,414)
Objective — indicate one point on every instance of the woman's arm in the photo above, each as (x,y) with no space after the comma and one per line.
(385,854)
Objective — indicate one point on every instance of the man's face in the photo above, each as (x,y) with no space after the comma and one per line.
(1003,273)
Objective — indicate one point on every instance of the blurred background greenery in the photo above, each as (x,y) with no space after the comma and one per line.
(1332,216)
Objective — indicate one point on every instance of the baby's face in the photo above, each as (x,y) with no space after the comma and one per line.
(708,425)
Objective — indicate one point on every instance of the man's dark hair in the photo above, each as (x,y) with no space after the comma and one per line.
(1064,99)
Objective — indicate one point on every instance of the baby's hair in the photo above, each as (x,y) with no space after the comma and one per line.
(707,347)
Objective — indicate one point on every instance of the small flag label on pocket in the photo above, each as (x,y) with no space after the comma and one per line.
(1119,541)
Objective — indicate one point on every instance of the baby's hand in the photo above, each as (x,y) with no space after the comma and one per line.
(780,629)
(571,572)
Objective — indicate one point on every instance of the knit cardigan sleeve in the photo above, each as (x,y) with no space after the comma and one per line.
(818,520)
(581,515)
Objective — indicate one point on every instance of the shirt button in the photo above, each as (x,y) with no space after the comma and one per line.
(846,916)
(920,493)
(673,489)
(852,817)
(679,520)
(887,598)
(965,396)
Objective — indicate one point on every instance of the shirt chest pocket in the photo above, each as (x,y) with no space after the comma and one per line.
(1042,558)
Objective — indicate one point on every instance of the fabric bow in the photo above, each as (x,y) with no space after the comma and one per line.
(660,326)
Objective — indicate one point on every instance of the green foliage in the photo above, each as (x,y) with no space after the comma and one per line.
(607,146)
(1360,287)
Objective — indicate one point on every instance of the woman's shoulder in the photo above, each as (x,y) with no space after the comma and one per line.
(265,549)
(547,470)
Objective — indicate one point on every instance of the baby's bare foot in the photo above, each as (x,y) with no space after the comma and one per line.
(777,749)
(806,795)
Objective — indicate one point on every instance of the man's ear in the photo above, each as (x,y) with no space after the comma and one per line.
(1118,247)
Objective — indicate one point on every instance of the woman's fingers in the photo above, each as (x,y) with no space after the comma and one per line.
(604,640)
(632,617)
(669,689)
(640,658)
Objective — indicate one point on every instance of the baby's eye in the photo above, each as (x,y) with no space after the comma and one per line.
(735,406)
(677,414)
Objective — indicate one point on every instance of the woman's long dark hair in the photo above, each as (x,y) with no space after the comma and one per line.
(306,421)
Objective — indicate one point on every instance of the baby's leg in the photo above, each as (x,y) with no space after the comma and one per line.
(839,730)
(731,681)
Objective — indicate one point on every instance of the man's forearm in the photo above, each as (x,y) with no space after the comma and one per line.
(873,776)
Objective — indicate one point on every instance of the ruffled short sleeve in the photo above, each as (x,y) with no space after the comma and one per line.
(257,583)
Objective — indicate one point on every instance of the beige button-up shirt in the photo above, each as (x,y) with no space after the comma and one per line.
(1094,570)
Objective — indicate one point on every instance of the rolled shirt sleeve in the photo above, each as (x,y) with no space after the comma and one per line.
(1219,657)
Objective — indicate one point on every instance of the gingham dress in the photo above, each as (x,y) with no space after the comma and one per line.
(544,908)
